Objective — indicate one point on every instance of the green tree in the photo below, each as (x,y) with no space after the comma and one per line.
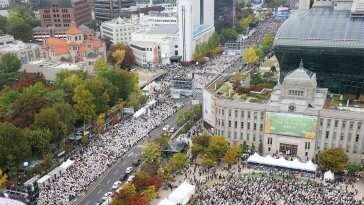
(13,147)
(200,144)
(152,153)
(100,65)
(9,63)
(267,42)
(228,34)
(250,55)
(197,112)
(38,140)
(334,159)
(207,160)
(217,147)
(84,104)
(3,22)
(260,149)
(353,168)
(119,56)
(20,22)
(183,116)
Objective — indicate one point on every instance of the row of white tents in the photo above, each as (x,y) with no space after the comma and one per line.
(55,173)
(181,195)
(282,162)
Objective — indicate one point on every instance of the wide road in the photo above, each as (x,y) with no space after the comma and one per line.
(113,174)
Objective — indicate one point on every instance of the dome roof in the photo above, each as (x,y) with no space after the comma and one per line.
(300,74)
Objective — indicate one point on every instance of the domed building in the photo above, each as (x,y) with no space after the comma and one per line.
(76,47)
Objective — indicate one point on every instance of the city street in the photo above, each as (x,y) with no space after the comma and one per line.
(105,182)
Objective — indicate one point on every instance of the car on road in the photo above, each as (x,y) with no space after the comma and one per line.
(172,130)
(166,127)
(130,178)
(107,195)
(101,201)
(124,177)
(129,170)
(136,163)
(116,185)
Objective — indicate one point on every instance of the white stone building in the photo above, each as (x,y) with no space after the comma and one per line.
(297,119)
(26,52)
(4,4)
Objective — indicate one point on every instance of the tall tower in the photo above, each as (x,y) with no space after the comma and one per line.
(185,25)
(209,12)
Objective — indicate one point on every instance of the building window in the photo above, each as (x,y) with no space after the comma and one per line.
(242,125)
(248,125)
(229,123)
(223,112)
(236,124)
(242,114)
(270,140)
(261,127)
(268,149)
(306,154)
(229,112)
(229,134)
(295,92)
(351,125)
(327,134)
(236,113)
(307,145)
(342,137)
(357,138)
(336,123)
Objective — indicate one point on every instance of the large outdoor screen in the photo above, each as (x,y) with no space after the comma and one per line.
(290,125)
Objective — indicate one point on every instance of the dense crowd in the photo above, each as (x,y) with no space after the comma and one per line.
(202,74)
(95,159)
(248,190)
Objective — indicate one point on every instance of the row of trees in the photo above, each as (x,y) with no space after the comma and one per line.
(336,160)
(207,49)
(35,118)
(255,53)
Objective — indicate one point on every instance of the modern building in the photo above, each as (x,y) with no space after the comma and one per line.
(60,13)
(41,33)
(295,118)
(4,4)
(330,38)
(26,52)
(77,47)
(224,14)
(193,17)
(109,9)
(121,29)
(155,46)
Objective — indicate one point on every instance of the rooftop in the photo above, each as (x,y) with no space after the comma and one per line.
(322,27)
(163,29)
(345,102)
(16,46)
(250,89)
(197,30)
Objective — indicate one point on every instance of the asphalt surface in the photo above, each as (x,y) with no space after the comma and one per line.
(113,174)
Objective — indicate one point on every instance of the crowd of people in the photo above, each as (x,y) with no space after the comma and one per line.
(95,159)
(249,190)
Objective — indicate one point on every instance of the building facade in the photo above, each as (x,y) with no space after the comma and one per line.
(4,4)
(297,119)
(335,55)
(109,9)
(26,52)
(77,47)
(60,13)
(42,33)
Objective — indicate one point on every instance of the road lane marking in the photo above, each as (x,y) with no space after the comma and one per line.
(108,181)
(130,154)
(123,163)
(99,191)
(116,171)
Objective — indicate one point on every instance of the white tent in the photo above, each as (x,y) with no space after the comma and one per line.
(44,181)
(282,162)
(329,176)
(65,165)
(140,112)
(55,173)
(165,201)
(182,194)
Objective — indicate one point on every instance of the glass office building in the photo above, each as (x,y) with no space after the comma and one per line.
(330,43)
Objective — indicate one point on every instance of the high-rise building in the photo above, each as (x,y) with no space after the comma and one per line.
(185,25)
(224,13)
(330,38)
(60,13)
(109,9)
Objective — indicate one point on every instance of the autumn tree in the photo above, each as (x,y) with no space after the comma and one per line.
(3,179)
(334,159)
(152,153)
(217,147)
(118,56)
(232,155)
(200,144)
(250,55)
(179,161)
(129,58)
(100,65)
(84,104)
